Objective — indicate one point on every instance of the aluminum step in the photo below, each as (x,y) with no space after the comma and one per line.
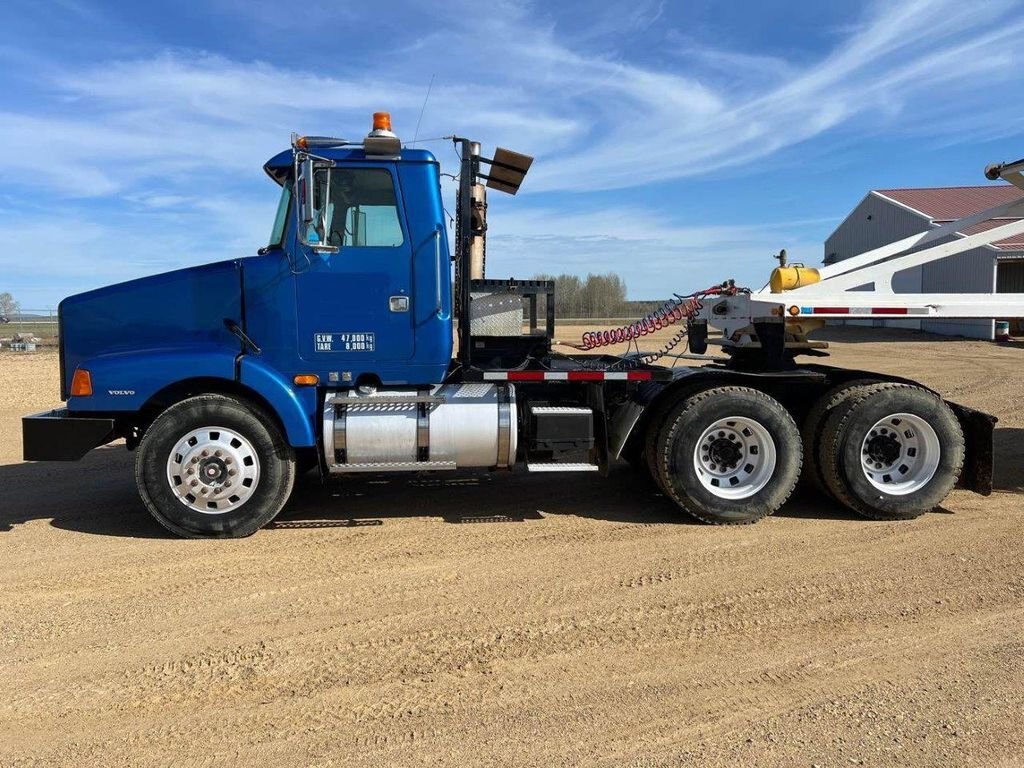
(561,467)
(394,466)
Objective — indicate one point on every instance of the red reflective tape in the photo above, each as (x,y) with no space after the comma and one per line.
(639,375)
(890,311)
(526,376)
(586,375)
(831,310)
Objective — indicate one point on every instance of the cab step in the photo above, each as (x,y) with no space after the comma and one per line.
(555,466)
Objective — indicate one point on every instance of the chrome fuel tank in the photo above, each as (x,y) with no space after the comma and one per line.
(441,427)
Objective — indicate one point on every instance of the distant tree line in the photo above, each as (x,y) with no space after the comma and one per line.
(595,296)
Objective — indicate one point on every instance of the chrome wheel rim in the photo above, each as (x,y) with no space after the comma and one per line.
(900,454)
(735,457)
(213,470)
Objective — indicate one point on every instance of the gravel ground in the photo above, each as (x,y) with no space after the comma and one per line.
(515,619)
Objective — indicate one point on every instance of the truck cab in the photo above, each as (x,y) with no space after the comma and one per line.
(361,293)
(333,349)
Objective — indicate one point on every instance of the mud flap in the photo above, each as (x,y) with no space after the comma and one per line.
(979,452)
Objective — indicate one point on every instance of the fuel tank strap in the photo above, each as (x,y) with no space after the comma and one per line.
(504,426)
(423,426)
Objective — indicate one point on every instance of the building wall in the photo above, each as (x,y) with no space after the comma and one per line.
(877,221)
(873,223)
(973,271)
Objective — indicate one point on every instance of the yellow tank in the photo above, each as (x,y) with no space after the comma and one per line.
(788,278)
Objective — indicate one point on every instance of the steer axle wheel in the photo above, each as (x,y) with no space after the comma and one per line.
(210,467)
(728,455)
(891,451)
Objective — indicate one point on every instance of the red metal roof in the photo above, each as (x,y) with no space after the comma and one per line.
(942,204)
(1015,243)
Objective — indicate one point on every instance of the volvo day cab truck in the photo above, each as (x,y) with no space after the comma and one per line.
(359,340)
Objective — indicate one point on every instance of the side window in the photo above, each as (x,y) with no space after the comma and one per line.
(365,209)
(281,219)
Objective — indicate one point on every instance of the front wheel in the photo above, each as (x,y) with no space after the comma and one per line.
(729,455)
(209,467)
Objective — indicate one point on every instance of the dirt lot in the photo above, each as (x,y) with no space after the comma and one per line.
(515,619)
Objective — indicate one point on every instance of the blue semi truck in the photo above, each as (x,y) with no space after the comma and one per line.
(360,340)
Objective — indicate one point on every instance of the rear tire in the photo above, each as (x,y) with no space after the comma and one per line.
(813,423)
(892,451)
(729,455)
(212,467)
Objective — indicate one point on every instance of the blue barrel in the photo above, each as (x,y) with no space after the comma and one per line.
(1002,330)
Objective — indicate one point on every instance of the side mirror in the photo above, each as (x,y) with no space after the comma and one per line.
(304,188)
(313,202)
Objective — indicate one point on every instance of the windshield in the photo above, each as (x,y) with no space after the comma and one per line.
(281,218)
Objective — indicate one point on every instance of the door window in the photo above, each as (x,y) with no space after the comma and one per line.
(365,209)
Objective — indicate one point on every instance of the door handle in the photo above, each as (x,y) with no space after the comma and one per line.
(439,309)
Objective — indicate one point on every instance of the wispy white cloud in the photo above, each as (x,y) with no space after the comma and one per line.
(596,122)
(147,131)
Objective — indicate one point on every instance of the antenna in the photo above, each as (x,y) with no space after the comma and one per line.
(423,108)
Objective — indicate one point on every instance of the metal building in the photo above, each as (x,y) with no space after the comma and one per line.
(887,215)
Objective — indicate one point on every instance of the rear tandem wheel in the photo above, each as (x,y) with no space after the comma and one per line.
(891,451)
(728,455)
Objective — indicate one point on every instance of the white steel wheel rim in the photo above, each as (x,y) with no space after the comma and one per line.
(900,454)
(735,458)
(213,470)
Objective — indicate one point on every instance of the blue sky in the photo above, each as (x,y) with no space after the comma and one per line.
(677,143)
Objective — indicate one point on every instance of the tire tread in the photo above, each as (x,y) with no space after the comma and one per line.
(672,424)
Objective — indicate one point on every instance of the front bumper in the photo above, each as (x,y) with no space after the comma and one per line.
(60,436)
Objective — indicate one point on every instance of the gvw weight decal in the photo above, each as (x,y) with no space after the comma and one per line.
(345,342)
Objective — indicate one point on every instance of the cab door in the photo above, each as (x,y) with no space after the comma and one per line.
(355,306)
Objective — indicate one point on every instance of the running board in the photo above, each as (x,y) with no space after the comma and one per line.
(557,467)
(393,466)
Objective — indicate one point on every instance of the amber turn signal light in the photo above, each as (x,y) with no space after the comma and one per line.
(306,380)
(81,383)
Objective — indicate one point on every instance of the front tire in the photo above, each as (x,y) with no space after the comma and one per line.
(729,455)
(211,467)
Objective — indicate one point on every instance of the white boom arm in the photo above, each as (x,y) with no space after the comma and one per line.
(872,272)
